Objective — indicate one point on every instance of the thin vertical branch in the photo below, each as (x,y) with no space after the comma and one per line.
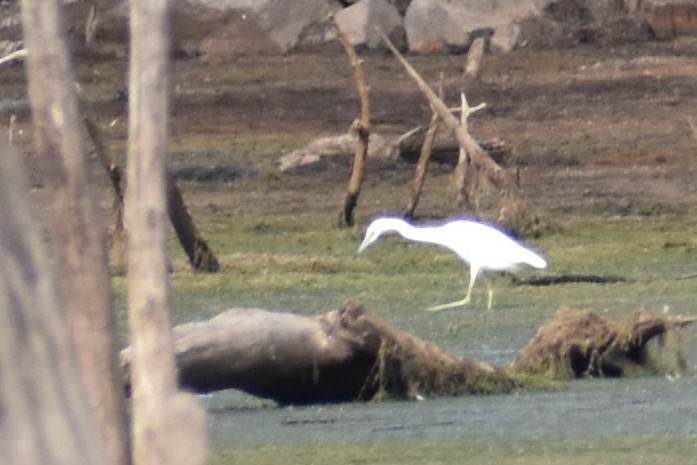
(462,177)
(360,129)
(424,158)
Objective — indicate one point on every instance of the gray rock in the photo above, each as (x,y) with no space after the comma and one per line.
(438,26)
(362,21)
(241,34)
(287,22)
(671,18)
(221,28)
(225,29)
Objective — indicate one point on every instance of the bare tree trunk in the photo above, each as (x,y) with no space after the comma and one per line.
(360,129)
(168,426)
(72,219)
(46,417)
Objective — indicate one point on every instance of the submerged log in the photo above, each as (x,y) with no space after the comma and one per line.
(579,344)
(343,355)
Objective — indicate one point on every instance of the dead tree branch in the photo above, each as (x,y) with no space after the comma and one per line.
(200,255)
(360,129)
(424,158)
(514,212)
(16,55)
(464,180)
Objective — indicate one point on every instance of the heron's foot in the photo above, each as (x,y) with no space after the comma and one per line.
(459,303)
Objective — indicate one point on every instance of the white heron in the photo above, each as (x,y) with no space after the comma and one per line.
(482,247)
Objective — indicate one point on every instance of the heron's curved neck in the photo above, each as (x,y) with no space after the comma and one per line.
(414,233)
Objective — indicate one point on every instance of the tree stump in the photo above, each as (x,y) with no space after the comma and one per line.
(579,344)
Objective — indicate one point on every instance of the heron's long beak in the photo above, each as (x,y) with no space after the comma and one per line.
(363,246)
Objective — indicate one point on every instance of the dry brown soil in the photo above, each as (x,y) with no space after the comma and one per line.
(590,128)
(599,128)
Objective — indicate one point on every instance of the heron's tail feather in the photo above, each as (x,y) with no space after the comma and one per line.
(535,260)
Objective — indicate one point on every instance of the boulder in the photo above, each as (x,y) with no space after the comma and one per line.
(241,34)
(228,28)
(292,24)
(438,26)
(362,21)
(225,29)
(668,19)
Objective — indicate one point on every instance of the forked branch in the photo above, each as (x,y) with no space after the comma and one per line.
(513,211)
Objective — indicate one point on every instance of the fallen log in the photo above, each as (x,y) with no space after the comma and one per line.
(343,355)
(351,355)
(326,153)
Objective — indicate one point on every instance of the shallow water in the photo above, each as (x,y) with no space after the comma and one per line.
(587,410)
(605,421)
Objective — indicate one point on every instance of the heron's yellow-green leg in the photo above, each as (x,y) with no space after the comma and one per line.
(459,303)
(491,297)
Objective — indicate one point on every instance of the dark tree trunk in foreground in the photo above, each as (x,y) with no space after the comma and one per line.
(45,416)
(350,355)
(71,217)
